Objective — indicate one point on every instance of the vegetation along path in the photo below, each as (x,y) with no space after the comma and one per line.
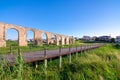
(97,64)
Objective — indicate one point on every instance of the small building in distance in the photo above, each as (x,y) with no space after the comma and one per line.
(88,38)
(117,39)
(93,38)
(105,38)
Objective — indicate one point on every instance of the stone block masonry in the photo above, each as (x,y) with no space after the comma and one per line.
(22,36)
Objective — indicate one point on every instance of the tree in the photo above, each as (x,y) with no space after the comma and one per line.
(96,39)
(112,40)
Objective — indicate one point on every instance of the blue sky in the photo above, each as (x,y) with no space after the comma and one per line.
(69,17)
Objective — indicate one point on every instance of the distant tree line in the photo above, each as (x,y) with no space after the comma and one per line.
(112,40)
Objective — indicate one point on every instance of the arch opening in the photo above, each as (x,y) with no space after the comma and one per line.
(44,39)
(53,39)
(70,40)
(65,41)
(12,37)
(30,37)
(60,40)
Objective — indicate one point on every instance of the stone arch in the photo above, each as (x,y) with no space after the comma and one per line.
(71,40)
(44,38)
(21,34)
(67,40)
(59,39)
(54,39)
(7,28)
(30,35)
(13,42)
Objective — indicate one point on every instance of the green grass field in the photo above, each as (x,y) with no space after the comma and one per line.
(98,64)
(32,48)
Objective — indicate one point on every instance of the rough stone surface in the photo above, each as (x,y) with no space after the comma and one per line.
(22,36)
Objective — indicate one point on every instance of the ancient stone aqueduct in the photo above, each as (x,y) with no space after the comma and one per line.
(22,35)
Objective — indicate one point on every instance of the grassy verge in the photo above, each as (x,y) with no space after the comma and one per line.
(99,64)
(32,48)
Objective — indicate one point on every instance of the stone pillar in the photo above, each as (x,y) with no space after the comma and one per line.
(38,37)
(67,40)
(57,40)
(38,41)
(48,41)
(73,39)
(48,35)
(2,35)
(63,40)
(22,37)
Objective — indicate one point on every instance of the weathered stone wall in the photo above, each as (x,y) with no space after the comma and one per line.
(2,35)
(22,35)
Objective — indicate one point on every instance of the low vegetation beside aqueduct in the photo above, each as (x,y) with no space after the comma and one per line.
(98,64)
